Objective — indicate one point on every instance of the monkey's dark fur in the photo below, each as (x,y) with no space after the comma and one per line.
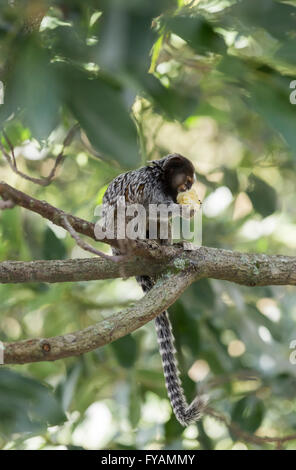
(159,183)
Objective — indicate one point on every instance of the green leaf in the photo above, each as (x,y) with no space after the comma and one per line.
(99,108)
(175,103)
(155,53)
(269,96)
(172,429)
(275,17)
(26,405)
(16,132)
(185,327)
(134,402)
(125,350)
(230,179)
(248,413)
(203,295)
(262,195)
(265,91)
(100,195)
(66,390)
(287,52)
(12,234)
(152,380)
(32,87)
(197,32)
(53,247)
(123,49)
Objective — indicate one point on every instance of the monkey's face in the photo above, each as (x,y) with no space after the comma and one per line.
(181,181)
(179,175)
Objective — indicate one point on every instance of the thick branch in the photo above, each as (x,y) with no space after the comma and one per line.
(163,294)
(46,210)
(251,269)
(242,268)
(57,216)
(186,266)
(73,270)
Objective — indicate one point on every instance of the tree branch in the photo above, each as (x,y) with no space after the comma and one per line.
(85,246)
(248,269)
(246,436)
(73,270)
(45,181)
(184,267)
(57,216)
(162,295)
(44,209)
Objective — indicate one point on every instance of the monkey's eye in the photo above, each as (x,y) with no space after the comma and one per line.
(182,188)
(189,182)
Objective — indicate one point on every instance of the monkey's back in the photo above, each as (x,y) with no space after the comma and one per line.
(143,186)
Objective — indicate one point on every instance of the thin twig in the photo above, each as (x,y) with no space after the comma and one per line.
(85,246)
(45,181)
(145,248)
(244,375)
(60,158)
(11,149)
(245,436)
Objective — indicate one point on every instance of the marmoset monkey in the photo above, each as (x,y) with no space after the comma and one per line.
(161,182)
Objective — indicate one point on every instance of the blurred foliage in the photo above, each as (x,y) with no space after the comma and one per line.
(209,79)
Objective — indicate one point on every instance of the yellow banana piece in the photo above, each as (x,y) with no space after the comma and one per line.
(189,197)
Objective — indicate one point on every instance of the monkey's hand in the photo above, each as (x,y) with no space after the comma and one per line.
(189,197)
(190,202)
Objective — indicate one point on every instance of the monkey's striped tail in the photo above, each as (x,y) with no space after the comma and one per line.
(185,414)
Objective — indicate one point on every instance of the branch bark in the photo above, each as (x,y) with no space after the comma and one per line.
(248,269)
(73,270)
(164,293)
(181,267)
(82,226)
(49,212)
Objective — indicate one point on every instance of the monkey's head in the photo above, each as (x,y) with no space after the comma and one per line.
(179,174)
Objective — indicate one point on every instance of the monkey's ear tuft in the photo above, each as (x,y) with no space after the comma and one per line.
(174,160)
